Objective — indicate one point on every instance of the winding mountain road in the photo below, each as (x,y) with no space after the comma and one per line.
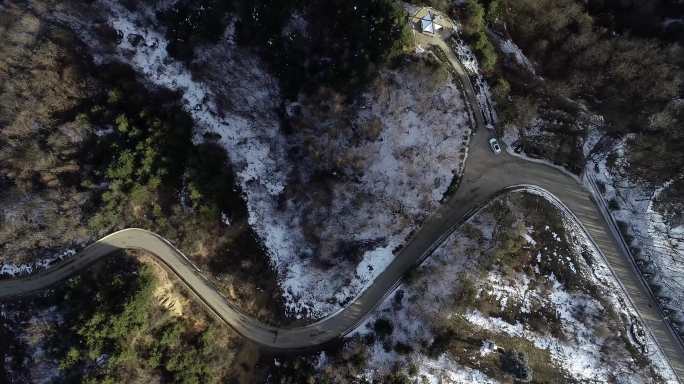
(485,177)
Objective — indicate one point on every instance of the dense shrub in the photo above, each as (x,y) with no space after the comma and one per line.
(474,17)
(403,348)
(441,342)
(119,333)
(622,72)
(149,164)
(321,43)
(308,43)
(474,24)
(657,153)
(629,79)
(639,18)
(190,23)
(383,327)
(516,363)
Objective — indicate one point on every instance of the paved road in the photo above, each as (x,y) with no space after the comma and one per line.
(485,174)
(485,177)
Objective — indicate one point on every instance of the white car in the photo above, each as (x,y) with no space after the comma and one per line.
(494,145)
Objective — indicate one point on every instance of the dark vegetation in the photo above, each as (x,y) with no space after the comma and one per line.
(615,56)
(345,363)
(516,363)
(657,152)
(12,354)
(584,60)
(42,72)
(147,157)
(122,334)
(92,150)
(640,18)
(383,327)
(323,43)
(148,173)
(603,54)
(192,23)
(308,43)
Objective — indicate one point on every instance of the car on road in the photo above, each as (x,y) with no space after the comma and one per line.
(494,145)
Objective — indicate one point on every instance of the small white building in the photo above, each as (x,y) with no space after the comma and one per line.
(427,20)
(428,23)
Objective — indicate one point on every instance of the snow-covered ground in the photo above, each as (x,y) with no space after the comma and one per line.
(510,49)
(588,349)
(407,167)
(388,169)
(9,269)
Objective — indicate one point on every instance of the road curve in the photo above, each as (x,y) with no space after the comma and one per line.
(485,177)
(277,338)
(486,173)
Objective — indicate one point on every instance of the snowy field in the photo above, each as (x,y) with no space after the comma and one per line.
(585,350)
(409,162)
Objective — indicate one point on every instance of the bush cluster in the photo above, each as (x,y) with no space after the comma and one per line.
(154,175)
(587,51)
(119,334)
(475,17)
(191,23)
(308,43)
(317,43)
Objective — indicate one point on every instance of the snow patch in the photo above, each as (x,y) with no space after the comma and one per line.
(13,270)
